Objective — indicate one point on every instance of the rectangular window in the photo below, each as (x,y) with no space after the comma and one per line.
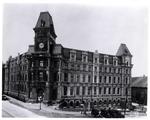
(109,90)
(41,76)
(104,90)
(114,90)
(72,78)
(78,78)
(89,79)
(94,90)
(84,58)
(65,77)
(114,79)
(95,79)
(89,90)
(118,79)
(72,57)
(109,79)
(118,91)
(83,90)
(71,90)
(96,69)
(105,79)
(65,90)
(100,79)
(78,67)
(95,60)
(77,90)
(83,78)
(100,90)
(84,67)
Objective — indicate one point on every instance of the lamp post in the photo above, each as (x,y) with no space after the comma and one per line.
(40,100)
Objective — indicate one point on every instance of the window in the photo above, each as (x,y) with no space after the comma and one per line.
(100,79)
(95,79)
(114,79)
(105,62)
(83,90)
(105,69)
(41,63)
(89,78)
(95,60)
(83,78)
(78,90)
(65,90)
(100,90)
(89,90)
(72,78)
(72,56)
(78,78)
(71,90)
(41,75)
(72,66)
(109,79)
(78,67)
(105,79)
(118,79)
(104,90)
(65,77)
(114,90)
(84,58)
(94,90)
(84,67)
(109,90)
(96,69)
(118,90)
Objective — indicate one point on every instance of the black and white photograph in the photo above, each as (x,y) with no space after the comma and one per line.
(63,60)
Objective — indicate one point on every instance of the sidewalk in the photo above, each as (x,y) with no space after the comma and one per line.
(48,111)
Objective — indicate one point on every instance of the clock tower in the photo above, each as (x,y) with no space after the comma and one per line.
(44,33)
(41,60)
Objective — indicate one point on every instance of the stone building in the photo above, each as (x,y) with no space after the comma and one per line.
(58,73)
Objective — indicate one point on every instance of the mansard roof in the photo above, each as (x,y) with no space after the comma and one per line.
(46,18)
(123,50)
(139,81)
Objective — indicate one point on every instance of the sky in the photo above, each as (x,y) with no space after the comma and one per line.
(80,26)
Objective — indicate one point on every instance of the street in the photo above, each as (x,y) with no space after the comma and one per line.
(16,108)
(11,110)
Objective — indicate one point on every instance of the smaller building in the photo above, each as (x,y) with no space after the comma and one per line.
(139,90)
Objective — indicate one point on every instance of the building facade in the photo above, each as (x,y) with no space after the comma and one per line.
(58,73)
(139,90)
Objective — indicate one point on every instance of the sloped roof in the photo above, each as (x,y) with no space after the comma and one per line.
(46,18)
(30,49)
(139,82)
(123,50)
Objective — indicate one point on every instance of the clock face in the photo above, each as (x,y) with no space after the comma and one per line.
(41,45)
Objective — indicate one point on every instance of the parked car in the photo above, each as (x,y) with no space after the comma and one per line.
(105,113)
(62,105)
(4,97)
(115,114)
(95,112)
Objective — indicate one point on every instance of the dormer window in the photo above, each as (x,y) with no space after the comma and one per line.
(72,56)
(115,61)
(106,60)
(84,58)
(42,23)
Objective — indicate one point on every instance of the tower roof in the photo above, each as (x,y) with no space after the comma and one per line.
(46,18)
(123,50)
(45,21)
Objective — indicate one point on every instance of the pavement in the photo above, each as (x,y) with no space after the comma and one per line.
(12,110)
